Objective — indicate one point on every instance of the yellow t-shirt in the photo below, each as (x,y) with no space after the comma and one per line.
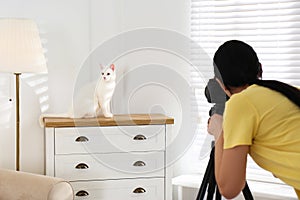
(270,123)
(298,193)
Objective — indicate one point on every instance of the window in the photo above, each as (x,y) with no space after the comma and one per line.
(271,27)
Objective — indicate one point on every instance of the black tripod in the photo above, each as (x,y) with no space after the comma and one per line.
(210,181)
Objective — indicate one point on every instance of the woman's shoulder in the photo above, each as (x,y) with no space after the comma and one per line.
(262,99)
(256,92)
(256,96)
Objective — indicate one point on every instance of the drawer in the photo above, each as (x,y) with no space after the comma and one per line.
(132,189)
(109,139)
(109,166)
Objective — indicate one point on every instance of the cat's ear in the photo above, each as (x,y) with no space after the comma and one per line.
(101,67)
(112,66)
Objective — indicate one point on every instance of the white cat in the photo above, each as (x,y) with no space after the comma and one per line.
(93,99)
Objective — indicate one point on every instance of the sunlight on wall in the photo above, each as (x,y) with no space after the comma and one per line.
(5,100)
(34,100)
(7,118)
(39,84)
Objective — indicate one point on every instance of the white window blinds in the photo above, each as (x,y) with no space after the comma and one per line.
(271,27)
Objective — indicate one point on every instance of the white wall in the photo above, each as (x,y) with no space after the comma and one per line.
(72,29)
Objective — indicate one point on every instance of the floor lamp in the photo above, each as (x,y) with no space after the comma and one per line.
(20,52)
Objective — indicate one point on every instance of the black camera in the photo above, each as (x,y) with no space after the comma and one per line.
(215,94)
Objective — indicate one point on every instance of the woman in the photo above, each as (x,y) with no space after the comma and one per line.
(261,118)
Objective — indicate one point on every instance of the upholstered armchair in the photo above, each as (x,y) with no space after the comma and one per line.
(26,186)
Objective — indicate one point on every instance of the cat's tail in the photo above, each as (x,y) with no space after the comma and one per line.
(43,116)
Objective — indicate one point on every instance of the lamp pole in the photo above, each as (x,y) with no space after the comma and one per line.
(17,121)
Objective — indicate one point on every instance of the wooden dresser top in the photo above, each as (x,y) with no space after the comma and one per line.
(117,120)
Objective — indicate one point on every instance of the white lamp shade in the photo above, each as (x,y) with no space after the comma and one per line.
(20,47)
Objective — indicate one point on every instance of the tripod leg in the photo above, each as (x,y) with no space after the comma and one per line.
(212,179)
(247,193)
(218,195)
(208,173)
(211,186)
(204,183)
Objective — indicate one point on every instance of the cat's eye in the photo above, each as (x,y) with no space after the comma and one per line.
(102,73)
(108,74)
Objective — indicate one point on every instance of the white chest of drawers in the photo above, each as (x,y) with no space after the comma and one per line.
(111,159)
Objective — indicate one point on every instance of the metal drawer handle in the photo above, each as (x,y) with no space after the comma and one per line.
(82,166)
(140,137)
(82,139)
(139,190)
(139,163)
(82,193)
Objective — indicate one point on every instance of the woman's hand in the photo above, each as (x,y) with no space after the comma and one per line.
(214,126)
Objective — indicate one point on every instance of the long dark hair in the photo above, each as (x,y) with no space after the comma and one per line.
(236,64)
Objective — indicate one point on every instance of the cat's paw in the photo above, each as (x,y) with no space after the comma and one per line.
(108,115)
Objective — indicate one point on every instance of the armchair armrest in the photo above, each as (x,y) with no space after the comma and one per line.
(26,186)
